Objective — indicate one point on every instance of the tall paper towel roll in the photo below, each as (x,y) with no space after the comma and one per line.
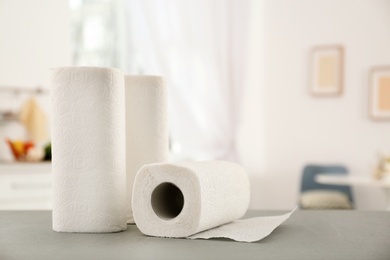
(88,142)
(146,127)
(179,200)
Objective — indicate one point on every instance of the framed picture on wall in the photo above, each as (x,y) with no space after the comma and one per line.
(326,77)
(380,93)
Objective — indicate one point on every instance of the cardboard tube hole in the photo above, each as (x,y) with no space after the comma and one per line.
(167,201)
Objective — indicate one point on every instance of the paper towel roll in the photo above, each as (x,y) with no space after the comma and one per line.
(88,142)
(146,127)
(179,200)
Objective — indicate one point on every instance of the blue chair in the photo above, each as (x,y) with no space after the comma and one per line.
(308,182)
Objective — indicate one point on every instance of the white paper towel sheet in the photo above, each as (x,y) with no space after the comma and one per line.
(146,127)
(88,143)
(245,230)
(183,199)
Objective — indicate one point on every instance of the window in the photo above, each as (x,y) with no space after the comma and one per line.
(97,33)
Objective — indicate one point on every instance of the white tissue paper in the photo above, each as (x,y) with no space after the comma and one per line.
(88,146)
(197,200)
(146,127)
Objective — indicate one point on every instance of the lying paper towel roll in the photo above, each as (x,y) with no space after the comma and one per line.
(146,127)
(88,142)
(179,200)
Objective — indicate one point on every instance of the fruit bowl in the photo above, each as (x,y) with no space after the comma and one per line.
(20,148)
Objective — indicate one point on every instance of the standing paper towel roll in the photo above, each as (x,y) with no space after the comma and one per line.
(179,200)
(88,142)
(146,127)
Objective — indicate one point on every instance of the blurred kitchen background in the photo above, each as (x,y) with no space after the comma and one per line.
(238,74)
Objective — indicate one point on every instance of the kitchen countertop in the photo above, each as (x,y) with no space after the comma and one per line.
(25,167)
(305,235)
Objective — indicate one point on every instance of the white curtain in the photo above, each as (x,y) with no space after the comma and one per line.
(200,48)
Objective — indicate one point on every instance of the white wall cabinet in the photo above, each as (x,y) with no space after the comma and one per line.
(25,186)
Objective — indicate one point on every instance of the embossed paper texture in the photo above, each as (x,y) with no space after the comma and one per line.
(88,146)
(245,230)
(197,200)
(146,127)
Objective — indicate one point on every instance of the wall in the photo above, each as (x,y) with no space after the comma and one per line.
(301,129)
(34,36)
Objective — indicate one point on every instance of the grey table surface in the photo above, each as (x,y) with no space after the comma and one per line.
(306,235)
